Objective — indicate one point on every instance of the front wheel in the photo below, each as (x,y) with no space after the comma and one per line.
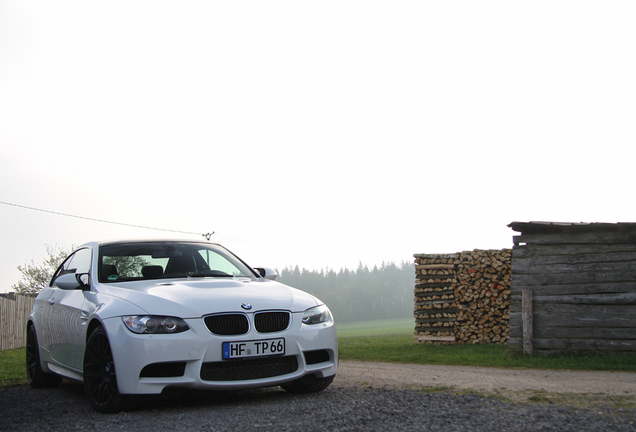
(308,384)
(100,378)
(35,375)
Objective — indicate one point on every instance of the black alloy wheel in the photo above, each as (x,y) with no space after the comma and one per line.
(35,375)
(100,378)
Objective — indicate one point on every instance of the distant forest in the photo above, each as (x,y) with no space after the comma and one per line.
(359,295)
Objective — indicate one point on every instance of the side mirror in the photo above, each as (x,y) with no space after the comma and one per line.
(73,281)
(267,273)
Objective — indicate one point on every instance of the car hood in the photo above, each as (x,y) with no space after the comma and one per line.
(192,298)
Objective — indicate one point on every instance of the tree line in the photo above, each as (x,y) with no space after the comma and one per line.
(383,292)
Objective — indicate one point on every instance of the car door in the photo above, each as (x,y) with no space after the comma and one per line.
(68,314)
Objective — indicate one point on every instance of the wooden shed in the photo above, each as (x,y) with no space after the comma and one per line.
(576,284)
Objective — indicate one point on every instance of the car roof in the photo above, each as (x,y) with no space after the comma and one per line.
(139,241)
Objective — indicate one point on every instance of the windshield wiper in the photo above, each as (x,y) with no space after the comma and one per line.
(210,273)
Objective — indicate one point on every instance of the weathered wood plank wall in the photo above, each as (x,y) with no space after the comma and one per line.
(583,281)
(13,318)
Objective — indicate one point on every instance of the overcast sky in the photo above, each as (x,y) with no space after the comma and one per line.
(321,133)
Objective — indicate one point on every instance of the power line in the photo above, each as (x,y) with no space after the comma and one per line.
(207,235)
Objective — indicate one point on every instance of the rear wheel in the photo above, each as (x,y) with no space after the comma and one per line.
(308,384)
(35,375)
(100,378)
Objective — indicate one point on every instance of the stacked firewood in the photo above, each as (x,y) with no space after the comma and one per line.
(463,298)
(435,306)
(483,296)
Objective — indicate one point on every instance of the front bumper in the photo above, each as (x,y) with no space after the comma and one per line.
(148,364)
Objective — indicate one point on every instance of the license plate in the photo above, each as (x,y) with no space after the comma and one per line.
(265,347)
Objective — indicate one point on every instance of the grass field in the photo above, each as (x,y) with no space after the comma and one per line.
(402,349)
(392,341)
(373,328)
(12,367)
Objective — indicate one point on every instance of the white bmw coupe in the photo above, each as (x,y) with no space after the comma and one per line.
(138,317)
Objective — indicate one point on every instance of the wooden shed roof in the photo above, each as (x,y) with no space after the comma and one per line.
(570,227)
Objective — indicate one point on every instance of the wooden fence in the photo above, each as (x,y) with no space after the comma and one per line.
(13,318)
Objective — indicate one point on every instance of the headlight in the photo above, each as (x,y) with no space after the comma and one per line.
(316,315)
(155,324)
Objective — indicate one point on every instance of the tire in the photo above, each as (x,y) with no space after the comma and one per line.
(100,378)
(35,375)
(308,384)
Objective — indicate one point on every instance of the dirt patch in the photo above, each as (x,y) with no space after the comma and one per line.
(535,385)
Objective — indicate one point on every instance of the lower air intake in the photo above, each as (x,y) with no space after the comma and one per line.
(242,370)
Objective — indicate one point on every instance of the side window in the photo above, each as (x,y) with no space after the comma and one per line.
(78,262)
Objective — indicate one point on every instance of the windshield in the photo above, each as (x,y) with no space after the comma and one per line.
(162,260)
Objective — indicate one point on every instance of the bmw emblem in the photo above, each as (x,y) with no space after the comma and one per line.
(246,306)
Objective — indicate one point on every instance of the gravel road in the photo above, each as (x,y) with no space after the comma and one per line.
(511,383)
(364,397)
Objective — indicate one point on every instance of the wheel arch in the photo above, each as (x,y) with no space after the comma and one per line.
(92,325)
